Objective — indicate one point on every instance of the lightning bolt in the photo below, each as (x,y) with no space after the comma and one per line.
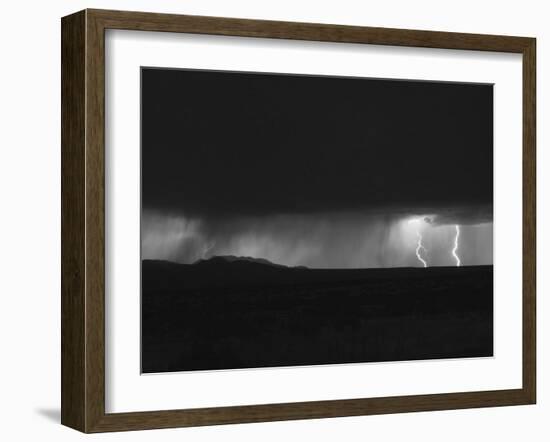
(420,247)
(455,248)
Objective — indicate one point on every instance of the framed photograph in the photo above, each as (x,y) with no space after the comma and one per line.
(268,220)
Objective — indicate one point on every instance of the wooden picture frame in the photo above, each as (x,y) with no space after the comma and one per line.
(83,220)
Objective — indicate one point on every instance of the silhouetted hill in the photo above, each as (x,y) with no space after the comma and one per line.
(232,258)
(223,271)
(214,272)
(236,313)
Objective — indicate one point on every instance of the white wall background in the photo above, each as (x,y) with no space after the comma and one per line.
(30,216)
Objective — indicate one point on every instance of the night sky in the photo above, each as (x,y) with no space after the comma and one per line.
(314,170)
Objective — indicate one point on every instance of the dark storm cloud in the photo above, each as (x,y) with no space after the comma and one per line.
(317,171)
(237,146)
(471,215)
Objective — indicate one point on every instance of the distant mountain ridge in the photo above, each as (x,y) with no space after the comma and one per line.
(218,271)
(232,258)
(238,272)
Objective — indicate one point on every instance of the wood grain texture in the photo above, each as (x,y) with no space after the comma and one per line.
(529,221)
(145,21)
(83,219)
(308,410)
(95,222)
(73,398)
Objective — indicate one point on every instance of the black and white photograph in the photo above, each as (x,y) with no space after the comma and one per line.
(301,220)
(265,221)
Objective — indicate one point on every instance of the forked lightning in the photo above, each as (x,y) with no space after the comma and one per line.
(455,248)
